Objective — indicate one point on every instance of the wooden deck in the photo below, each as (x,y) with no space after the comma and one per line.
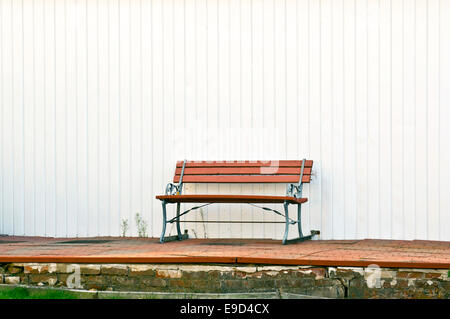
(352,253)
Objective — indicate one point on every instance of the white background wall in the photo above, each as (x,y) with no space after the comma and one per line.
(100,98)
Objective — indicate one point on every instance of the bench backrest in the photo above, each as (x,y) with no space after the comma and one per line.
(283,171)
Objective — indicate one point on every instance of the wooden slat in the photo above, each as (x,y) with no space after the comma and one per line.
(281,163)
(229,199)
(269,170)
(241,178)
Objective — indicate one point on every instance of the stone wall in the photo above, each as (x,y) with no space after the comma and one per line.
(332,282)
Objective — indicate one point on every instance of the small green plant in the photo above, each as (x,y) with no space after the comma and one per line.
(124,227)
(141,225)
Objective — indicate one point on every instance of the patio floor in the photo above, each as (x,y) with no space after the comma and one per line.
(356,253)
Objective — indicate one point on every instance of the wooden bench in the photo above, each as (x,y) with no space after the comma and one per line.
(294,173)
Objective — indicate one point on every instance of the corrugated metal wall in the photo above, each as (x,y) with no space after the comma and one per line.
(99,98)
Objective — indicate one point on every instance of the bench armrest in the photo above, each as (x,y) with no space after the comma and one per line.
(173,189)
(294,190)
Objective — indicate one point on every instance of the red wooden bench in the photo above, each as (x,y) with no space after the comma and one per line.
(294,173)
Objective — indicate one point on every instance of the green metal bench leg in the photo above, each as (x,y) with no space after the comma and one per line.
(301,238)
(299,220)
(164,203)
(180,236)
(286,230)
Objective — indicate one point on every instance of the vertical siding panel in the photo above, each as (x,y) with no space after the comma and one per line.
(18,117)
(293,141)
(70,118)
(433,72)
(280,73)
(39,118)
(179,80)
(247,106)
(168,91)
(92,118)
(223,99)
(2,133)
(257,25)
(28,118)
(1,124)
(361,118)
(82,120)
(421,119)
(159,179)
(114,120)
(189,84)
(212,107)
(337,93)
(104,113)
(50,119)
(125,115)
(385,124)
(409,118)
(444,101)
(315,187)
(280,98)
(235,103)
(349,181)
(147,136)
(60,119)
(398,48)
(179,144)
(327,101)
(7,119)
(179,105)
(303,138)
(71,115)
(268,85)
(201,100)
(114,117)
(135,111)
(373,113)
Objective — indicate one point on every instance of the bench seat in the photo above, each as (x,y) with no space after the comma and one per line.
(230,199)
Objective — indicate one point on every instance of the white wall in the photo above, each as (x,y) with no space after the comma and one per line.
(100,98)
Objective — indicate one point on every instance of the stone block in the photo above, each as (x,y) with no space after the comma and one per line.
(88,269)
(114,269)
(141,270)
(229,286)
(333,291)
(410,274)
(317,273)
(168,273)
(154,282)
(38,268)
(46,279)
(66,268)
(14,269)
(119,281)
(12,280)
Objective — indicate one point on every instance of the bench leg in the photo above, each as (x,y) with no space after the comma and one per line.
(164,203)
(299,220)
(301,238)
(286,230)
(180,236)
